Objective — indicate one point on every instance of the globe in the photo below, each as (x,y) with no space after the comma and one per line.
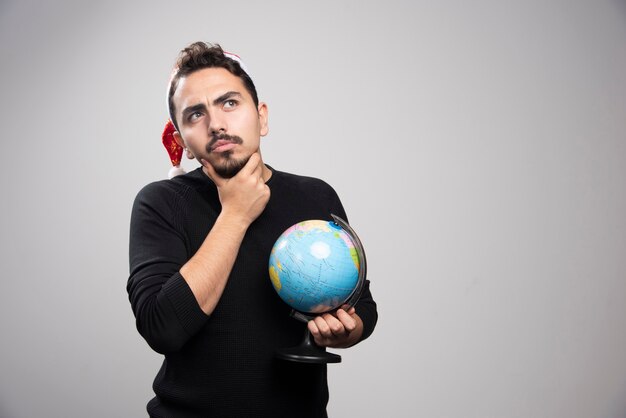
(314,265)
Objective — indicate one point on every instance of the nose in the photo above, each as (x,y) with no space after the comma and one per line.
(217,122)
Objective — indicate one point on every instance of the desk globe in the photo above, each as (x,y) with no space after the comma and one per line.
(317,266)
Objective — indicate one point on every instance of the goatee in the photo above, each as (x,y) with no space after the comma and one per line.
(229,167)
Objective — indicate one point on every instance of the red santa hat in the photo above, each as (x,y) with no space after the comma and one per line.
(174,150)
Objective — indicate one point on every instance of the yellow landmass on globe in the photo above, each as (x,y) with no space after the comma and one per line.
(275,279)
(355,257)
(313,224)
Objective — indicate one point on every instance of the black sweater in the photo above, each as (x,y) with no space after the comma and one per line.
(223,365)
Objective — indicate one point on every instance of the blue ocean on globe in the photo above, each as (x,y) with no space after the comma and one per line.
(314,266)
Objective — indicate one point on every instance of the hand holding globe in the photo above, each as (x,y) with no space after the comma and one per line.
(339,329)
(317,267)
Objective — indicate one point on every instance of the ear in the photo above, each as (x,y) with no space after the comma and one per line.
(178,139)
(263,116)
(181,143)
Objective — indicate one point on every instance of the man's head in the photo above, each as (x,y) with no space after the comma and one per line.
(201,55)
(215,109)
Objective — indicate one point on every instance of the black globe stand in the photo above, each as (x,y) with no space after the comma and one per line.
(308,352)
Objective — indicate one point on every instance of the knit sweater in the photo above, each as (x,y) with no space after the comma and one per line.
(223,364)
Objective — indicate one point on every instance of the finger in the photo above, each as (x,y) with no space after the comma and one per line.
(335,326)
(316,334)
(350,309)
(348,322)
(253,164)
(313,329)
(211,173)
(322,326)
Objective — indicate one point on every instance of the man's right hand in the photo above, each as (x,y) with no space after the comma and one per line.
(243,199)
(245,195)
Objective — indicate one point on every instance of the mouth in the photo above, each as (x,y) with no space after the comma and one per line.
(223,143)
(222,146)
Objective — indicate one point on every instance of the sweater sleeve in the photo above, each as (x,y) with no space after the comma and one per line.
(166,311)
(366,306)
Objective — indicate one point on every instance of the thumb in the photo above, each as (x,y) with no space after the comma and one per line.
(349,309)
(210,172)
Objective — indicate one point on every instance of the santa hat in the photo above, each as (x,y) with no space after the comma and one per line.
(174,150)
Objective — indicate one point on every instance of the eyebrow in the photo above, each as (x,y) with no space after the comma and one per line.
(226,96)
(192,109)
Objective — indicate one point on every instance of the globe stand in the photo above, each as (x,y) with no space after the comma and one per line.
(308,352)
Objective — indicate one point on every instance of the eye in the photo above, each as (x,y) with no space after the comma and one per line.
(230,104)
(194,116)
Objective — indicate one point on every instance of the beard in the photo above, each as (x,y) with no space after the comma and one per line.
(229,167)
(226,167)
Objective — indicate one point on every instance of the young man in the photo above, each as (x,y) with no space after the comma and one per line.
(199,250)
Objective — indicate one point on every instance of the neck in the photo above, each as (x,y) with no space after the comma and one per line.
(267,173)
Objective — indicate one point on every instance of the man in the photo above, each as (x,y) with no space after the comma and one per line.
(199,250)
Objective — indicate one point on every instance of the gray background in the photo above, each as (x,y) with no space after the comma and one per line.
(478,147)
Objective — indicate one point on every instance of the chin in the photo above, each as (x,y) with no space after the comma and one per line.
(230,167)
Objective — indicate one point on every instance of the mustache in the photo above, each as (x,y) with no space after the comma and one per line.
(222,137)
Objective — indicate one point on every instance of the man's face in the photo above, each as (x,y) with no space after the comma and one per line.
(217,119)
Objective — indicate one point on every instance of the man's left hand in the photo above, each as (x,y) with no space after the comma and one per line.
(339,329)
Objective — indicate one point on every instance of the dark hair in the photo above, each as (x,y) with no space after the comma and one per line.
(198,56)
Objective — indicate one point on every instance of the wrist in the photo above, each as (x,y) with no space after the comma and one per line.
(233,219)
